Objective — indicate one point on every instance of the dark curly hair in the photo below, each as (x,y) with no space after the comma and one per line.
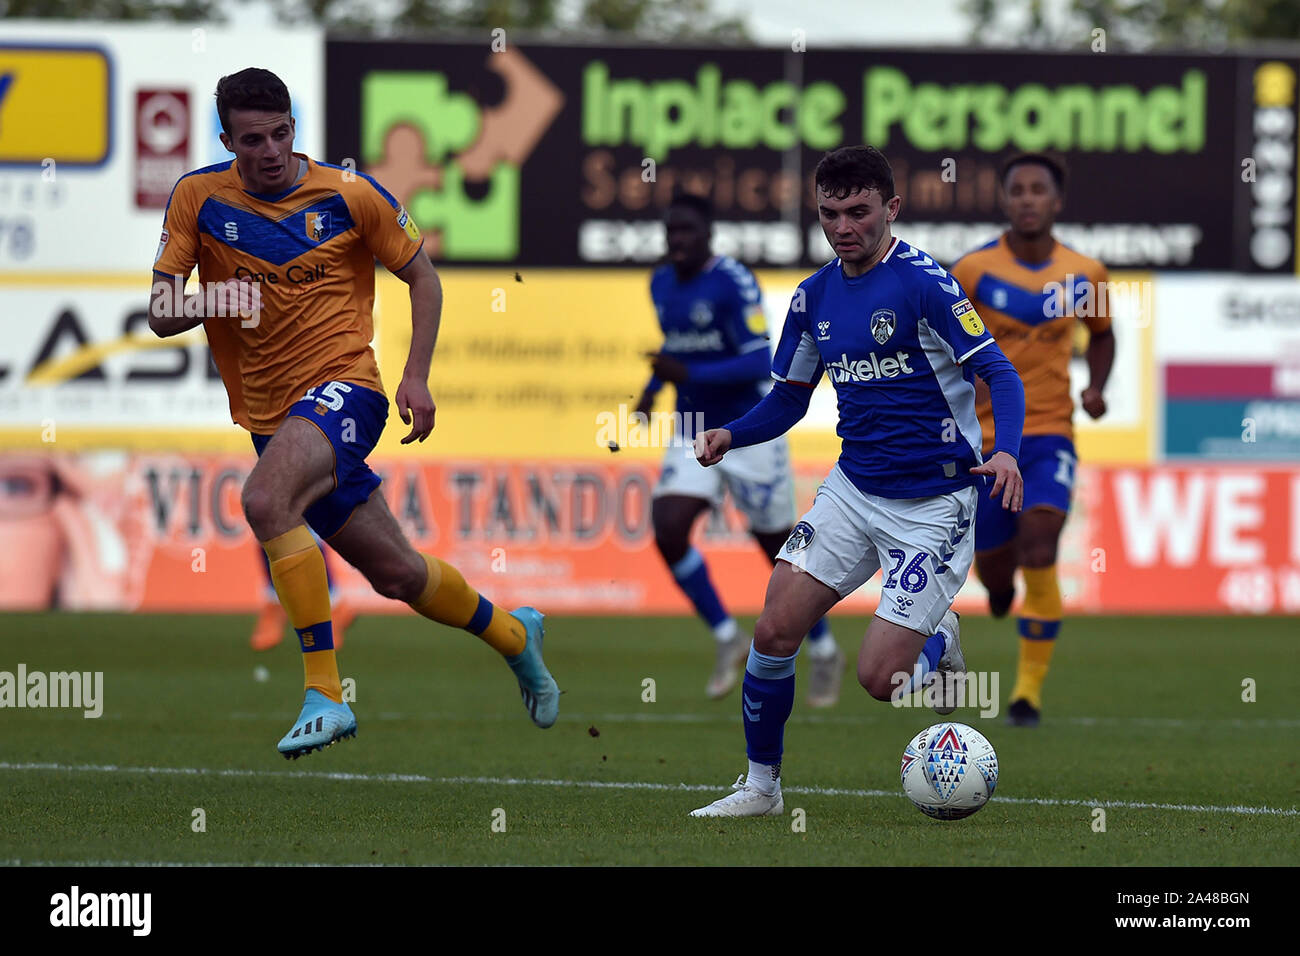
(251,89)
(845,170)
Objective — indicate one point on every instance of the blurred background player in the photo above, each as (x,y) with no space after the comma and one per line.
(294,354)
(901,344)
(268,629)
(1017,283)
(716,354)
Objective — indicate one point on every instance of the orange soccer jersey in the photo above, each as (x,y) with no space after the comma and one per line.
(1031,311)
(311,249)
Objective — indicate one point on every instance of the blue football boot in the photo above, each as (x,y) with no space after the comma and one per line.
(320,724)
(536,685)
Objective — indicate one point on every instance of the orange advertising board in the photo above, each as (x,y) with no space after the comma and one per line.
(165,533)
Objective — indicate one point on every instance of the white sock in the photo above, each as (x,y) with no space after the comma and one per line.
(822,647)
(726,631)
(766,778)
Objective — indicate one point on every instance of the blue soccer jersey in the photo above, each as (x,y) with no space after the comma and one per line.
(896,343)
(714,323)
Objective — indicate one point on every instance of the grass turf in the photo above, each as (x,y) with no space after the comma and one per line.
(1138,711)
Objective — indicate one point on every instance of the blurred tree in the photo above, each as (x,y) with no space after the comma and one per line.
(1132,24)
(644,19)
(184,10)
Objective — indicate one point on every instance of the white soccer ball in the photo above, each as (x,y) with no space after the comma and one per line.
(949,771)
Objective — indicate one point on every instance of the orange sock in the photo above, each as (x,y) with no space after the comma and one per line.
(298,573)
(447,599)
(1039,623)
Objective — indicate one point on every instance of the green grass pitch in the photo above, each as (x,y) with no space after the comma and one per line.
(1144,718)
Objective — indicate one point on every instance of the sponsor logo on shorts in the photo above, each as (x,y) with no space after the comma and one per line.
(800,537)
(902,602)
(883,323)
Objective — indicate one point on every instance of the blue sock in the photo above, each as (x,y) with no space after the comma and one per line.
(692,576)
(926,662)
(767,697)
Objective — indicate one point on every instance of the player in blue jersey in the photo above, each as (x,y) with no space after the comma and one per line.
(715,353)
(901,343)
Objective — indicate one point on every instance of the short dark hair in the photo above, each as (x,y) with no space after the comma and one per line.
(251,89)
(1055,166)
(844,171)
(693,201)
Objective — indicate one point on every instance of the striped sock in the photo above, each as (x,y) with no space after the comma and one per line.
(767,697)
(447,599)
(298,572)
(1039,624)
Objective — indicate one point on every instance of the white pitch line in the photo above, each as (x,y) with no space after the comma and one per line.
(653,717)
(613,785)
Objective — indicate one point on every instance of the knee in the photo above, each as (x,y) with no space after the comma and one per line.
(876,682)
(260,509)
(1038,553)
(400,581)
(672,542)
(773,638)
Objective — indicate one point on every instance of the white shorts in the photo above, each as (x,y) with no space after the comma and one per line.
(758,477)
(924,545)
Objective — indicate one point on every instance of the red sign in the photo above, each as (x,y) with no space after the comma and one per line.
(1207,539)
(162,144)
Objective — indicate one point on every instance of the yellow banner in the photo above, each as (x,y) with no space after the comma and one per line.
(76,82)
(547,365)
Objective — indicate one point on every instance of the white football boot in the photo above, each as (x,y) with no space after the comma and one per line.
(745,801)
(952,665)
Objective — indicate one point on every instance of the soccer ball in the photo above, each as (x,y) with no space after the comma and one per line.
(949,771)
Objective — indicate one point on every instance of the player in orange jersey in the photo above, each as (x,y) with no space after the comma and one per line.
(1031,290)
(285,248)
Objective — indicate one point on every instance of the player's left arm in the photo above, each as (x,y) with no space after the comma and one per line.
(1007,392)
(413,399)
(1100,354)
(953,317)
(391,234)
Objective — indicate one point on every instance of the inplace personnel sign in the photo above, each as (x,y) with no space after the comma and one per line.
(566,156)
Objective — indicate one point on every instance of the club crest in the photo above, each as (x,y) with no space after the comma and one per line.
(883,322)
(800,537)
(318,226)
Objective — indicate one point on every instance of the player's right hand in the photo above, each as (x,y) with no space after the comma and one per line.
(1006,480)
(416,408)
(244,298)
(711,445)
